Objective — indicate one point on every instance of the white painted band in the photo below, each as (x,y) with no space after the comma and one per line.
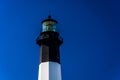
(49,71)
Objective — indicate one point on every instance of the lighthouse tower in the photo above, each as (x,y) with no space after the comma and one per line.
(49,42)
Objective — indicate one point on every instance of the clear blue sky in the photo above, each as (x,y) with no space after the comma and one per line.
(91,32)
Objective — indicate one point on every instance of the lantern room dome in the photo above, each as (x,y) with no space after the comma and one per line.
(49,19)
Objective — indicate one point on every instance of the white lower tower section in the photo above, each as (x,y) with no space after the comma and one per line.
(49,71)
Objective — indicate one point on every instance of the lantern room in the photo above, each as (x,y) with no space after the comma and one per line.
(49,25)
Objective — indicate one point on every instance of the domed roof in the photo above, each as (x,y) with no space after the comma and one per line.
(49,19)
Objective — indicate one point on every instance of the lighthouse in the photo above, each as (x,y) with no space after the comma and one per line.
(49,41)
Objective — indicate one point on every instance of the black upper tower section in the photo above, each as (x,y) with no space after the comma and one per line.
(49,41)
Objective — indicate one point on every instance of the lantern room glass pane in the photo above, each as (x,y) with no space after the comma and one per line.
(49,26)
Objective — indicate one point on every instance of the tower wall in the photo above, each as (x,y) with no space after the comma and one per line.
(49,71)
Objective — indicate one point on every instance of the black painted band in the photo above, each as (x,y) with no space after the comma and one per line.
(49,46)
